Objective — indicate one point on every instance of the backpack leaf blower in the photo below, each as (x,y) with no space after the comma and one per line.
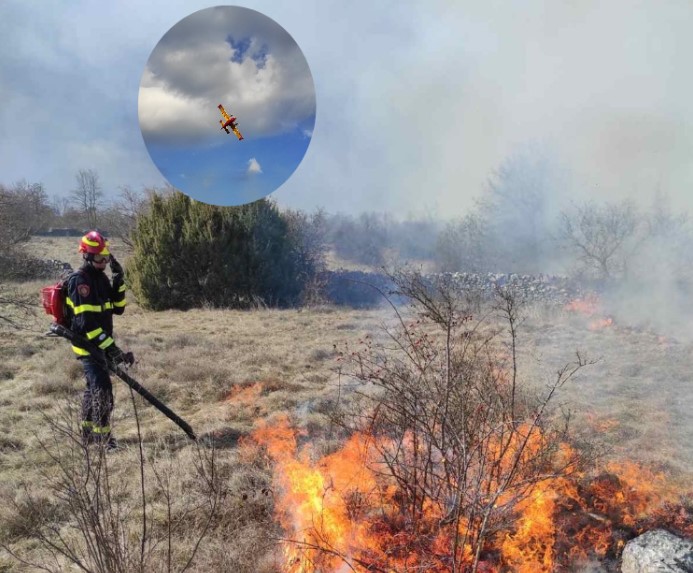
(96,353)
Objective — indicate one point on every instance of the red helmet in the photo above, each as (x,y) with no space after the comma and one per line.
(94,243)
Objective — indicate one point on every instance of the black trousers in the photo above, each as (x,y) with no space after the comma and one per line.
(97,403)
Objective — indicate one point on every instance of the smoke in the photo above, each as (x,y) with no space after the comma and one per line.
(656,292)
(416,103)
(639,258)
(465,84)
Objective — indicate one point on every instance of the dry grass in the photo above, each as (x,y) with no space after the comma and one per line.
(224,370)
(637,397)
(220,370)
(65,249)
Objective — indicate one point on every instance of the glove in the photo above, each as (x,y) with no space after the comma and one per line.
(116,267)
(117,356)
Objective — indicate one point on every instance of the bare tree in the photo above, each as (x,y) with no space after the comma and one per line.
(465,245)
(515,210)
(24,209)
(662,222)
(360,239)
(8,235)
(61,205)
(121,217)
(603,238)
(414,237)
(87,194)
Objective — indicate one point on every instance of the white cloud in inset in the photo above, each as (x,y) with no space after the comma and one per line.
(308,133)
(253,166)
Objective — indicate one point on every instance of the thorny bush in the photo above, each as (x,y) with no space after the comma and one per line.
(460,438)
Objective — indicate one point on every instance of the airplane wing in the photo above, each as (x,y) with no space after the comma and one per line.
(238,133)
(223,112)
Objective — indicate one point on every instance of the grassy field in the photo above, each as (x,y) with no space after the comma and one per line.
(223,371)
(65,249)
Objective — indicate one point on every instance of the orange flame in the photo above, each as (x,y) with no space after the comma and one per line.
(320,501)
(530,548)
(601,323)
(245,394)
(343,511)
(588,305)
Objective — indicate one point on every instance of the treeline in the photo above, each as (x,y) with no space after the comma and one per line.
(27,209)
(525,221)
(234,256)
(373,239)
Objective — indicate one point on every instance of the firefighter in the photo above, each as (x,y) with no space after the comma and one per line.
(93,300)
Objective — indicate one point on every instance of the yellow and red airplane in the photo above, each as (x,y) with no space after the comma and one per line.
(229,122)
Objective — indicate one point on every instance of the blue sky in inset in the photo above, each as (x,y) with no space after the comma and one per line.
(227,173)
(241,48)
(246,62)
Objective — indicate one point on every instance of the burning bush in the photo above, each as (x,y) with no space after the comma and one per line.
(451,464)
(439,464)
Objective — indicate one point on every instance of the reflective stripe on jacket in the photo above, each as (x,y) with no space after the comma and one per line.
(93,301)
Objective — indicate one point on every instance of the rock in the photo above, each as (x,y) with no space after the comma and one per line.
(657,551)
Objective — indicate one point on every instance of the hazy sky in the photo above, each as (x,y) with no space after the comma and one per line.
(417,101)
(250,64)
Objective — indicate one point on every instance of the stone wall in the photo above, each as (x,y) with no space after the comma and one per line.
(59,232)
(27,269)
(352,287)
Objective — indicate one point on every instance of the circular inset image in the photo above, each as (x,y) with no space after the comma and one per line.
(227,105)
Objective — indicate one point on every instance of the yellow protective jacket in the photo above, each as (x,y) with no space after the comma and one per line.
(93,301)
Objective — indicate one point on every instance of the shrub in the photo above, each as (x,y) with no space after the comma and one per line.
(189,254)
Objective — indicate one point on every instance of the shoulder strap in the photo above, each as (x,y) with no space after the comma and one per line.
(71,276)
(77,272)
